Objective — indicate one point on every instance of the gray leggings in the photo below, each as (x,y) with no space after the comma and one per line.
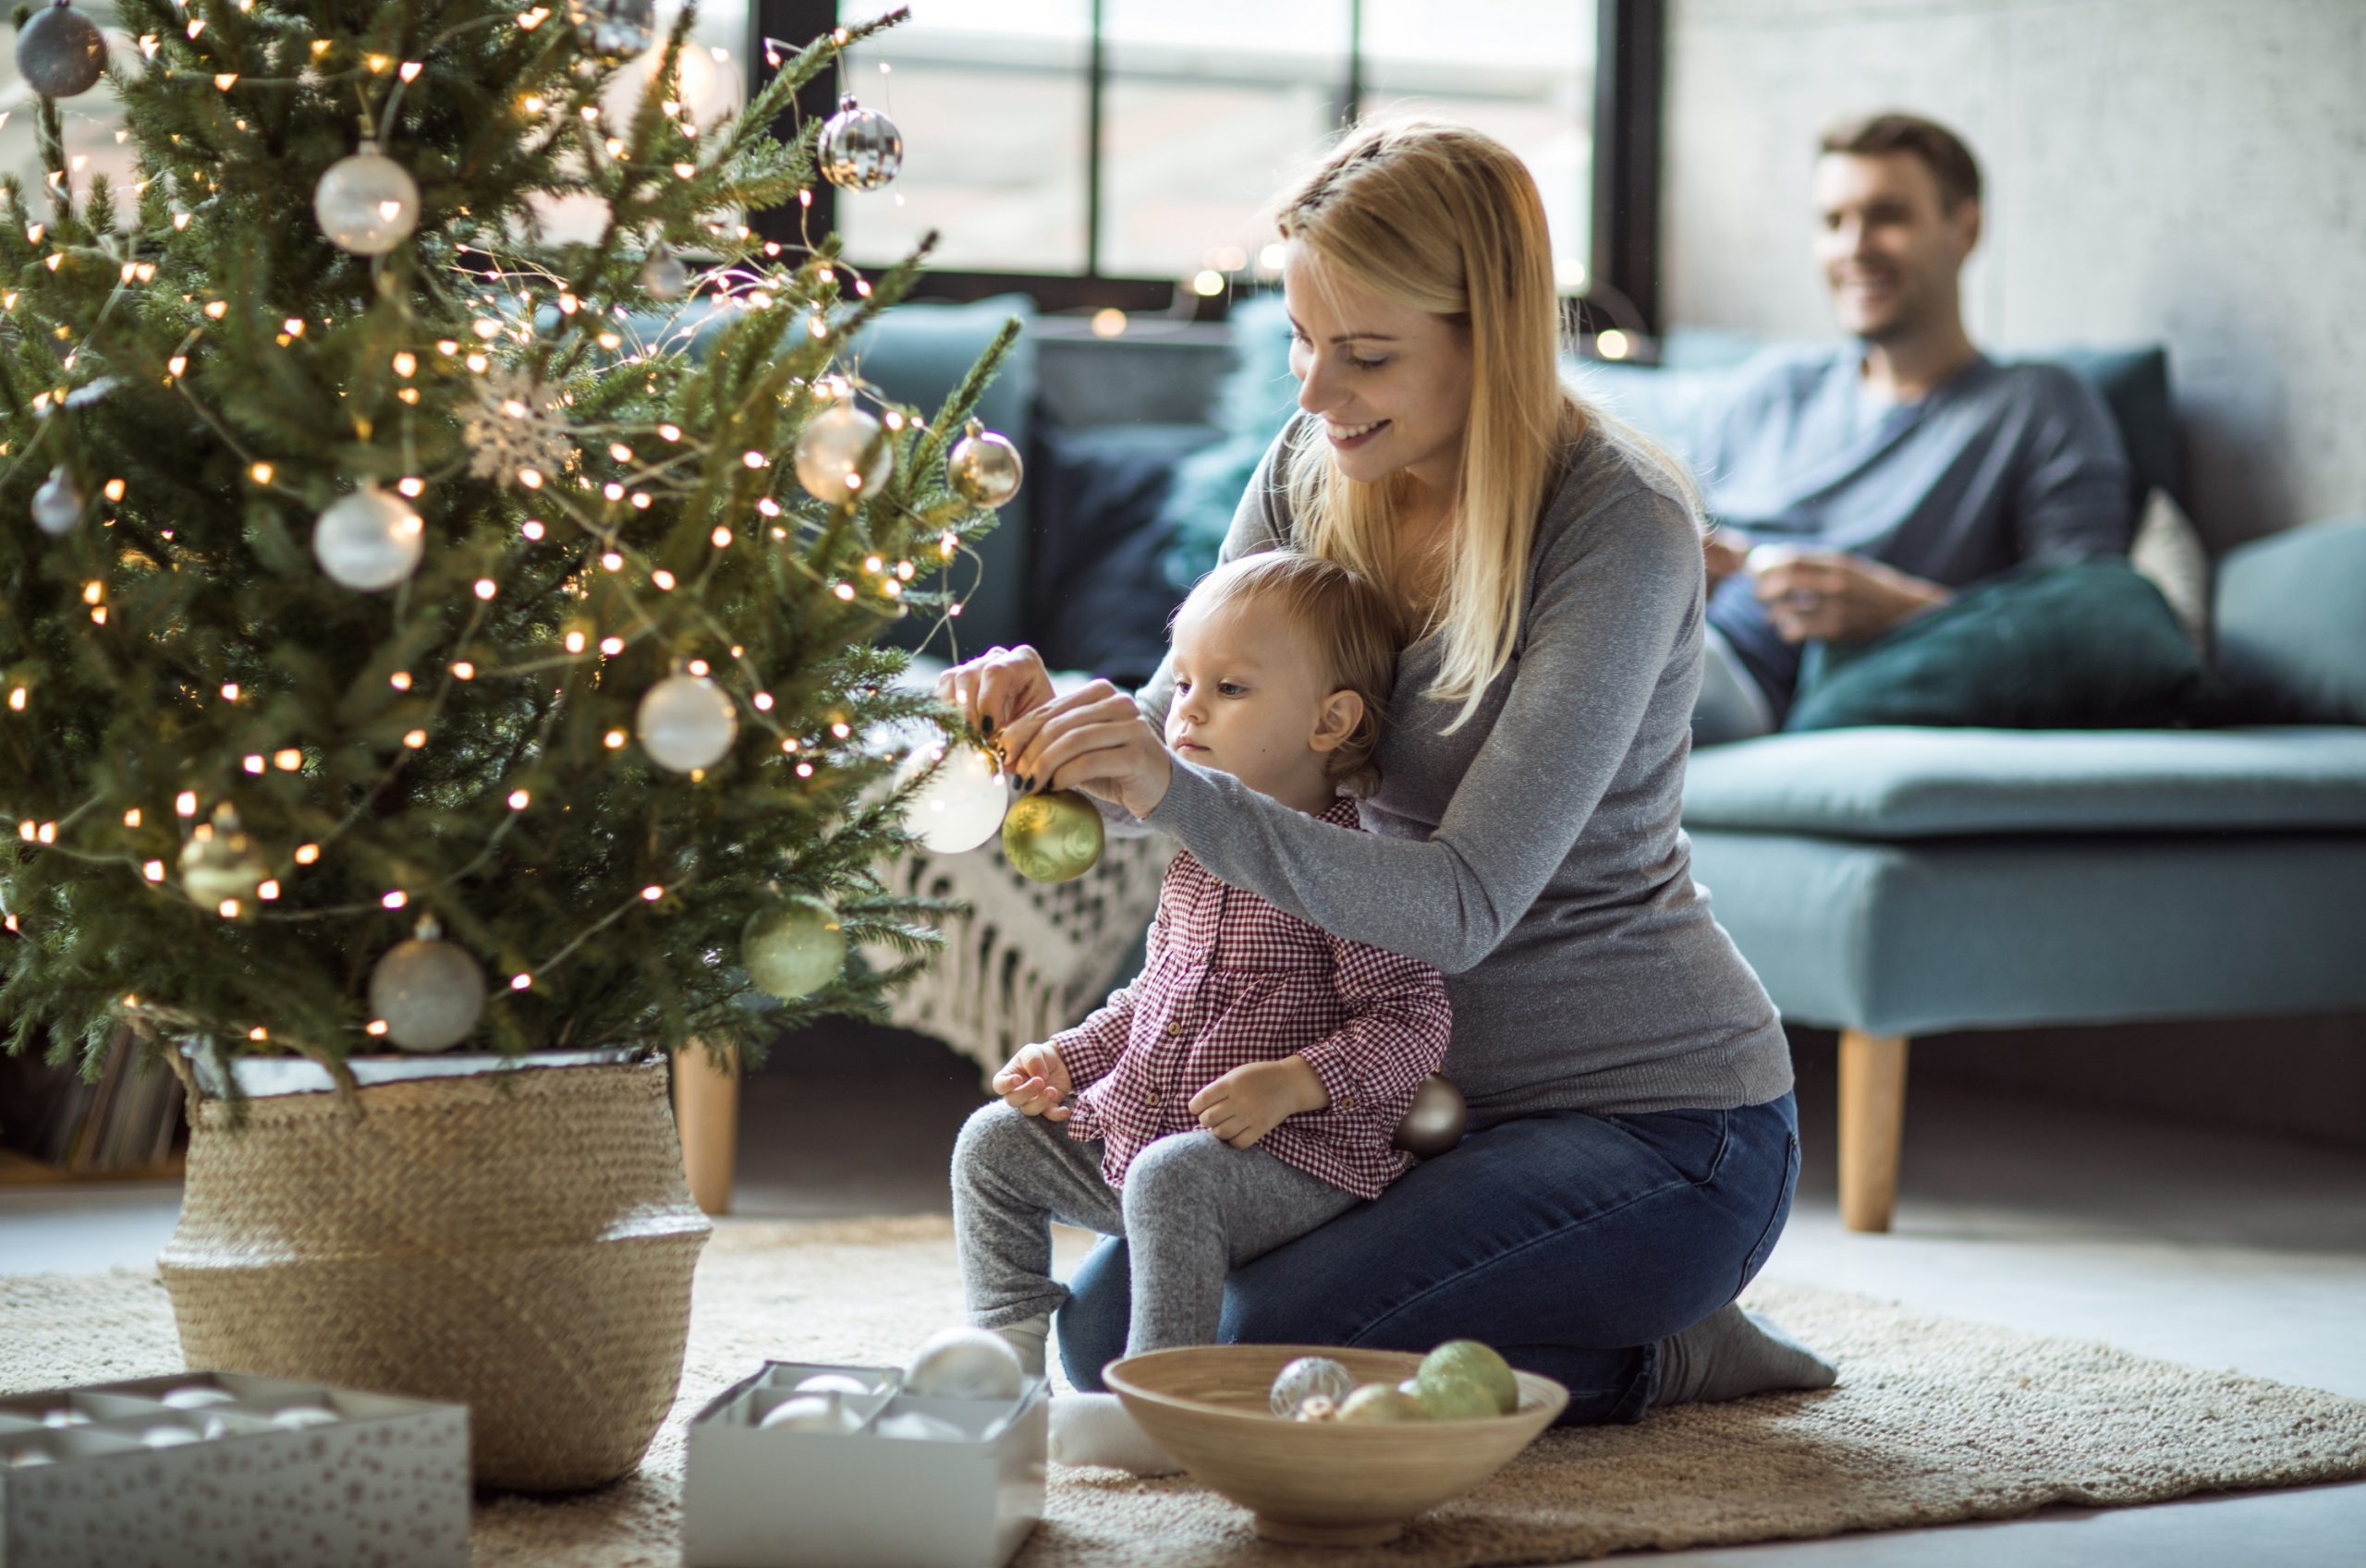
(1193,1209)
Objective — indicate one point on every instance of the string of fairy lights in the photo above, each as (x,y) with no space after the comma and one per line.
(369,205)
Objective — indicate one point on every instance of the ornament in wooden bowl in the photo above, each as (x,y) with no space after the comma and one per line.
(1327,1482)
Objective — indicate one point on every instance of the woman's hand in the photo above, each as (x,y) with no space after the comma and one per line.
(996,687)
(1034,1082)
(1095,739)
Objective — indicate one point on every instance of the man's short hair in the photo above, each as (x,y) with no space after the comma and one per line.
(1941,150)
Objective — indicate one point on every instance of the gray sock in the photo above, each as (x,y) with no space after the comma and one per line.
(1732,1352)
(1027,1338)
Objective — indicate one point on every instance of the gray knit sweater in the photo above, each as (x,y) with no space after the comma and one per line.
(1534,855)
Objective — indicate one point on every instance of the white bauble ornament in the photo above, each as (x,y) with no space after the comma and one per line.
(168,1437)
(198,1397)
(841,455)
(430,993)
(297,1416)
(811,1413)
(65,1419)
(860,149)
(959,809)
(831,1382)
(685,723)
(60,52)
(983,467)
(27,1456)
(966,1363)
(365,204)
(793,948)
(57,505)
(369,540)
(1309,1378)
(615,30)
(664,277)
(220,866)
(912,1427)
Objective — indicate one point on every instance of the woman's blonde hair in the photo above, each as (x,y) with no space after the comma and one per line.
(1351,625)
(1443,219)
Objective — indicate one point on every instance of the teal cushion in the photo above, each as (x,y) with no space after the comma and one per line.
(1917,783)
(2089,644)
(2291,624)
(1910,939)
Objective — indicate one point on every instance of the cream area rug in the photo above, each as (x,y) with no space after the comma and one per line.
(1934,1420)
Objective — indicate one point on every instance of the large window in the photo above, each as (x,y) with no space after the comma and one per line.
(1060,144)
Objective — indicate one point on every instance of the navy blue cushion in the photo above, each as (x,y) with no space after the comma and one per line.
(1097,594)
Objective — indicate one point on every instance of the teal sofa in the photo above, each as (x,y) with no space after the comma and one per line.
(1890,882)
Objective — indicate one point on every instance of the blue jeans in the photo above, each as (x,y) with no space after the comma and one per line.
(1571,1242)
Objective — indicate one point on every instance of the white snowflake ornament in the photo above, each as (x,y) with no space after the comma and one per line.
(516,424)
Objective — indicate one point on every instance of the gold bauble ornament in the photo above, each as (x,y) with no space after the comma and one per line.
(983,467)
(793,948)
(842,455)
(220,866)
(1435,1121)
(1052,838)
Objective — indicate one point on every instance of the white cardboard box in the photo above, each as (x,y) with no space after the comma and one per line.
(378,1481)
(757,1498)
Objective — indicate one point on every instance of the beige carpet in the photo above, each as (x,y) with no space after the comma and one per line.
(1936,1420)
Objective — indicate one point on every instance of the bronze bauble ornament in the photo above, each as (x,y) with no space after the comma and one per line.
(1436,1122)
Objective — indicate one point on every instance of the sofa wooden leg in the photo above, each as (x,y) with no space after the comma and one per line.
(706,1113)
(1872,1123)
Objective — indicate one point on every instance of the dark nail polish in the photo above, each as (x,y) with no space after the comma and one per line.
(986,725)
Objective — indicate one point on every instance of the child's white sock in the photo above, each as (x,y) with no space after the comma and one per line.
(1027,1338)
(1095,1428)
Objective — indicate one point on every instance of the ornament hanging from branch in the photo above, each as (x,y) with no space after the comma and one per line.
(61,53)
(664,277)
(859,148)
(840,456)
(516,423)
(614,30)
(685,723)
(220,866)
(983,467)
(793,948)
(369,540)
(57,505)
(428,991)
(366,202)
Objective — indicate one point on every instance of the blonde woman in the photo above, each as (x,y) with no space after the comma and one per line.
(1633,1139)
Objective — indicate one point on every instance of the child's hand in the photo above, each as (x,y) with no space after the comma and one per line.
(1249,1102)
(1035,1081)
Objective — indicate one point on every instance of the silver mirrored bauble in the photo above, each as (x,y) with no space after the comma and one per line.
(983,467)
(430,992)
(365,204)
(860,149)
(1309,1377)
(965,1364)
(664,277)
(60,52)
(793,948)
(962,806)
(369,540)
(220,864)
(830,455)
(685,723)
(615,30)
(57,505)
(1436,1120)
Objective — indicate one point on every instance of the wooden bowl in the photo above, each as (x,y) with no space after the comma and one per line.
(1325,1483)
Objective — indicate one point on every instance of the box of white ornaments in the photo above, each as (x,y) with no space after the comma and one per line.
(200,1468)
(937,1464)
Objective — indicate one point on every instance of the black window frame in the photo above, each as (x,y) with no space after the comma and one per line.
(1622,268)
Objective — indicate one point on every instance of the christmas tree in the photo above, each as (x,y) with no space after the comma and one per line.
(408,639)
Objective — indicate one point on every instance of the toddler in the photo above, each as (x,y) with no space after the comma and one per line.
(1245,1087)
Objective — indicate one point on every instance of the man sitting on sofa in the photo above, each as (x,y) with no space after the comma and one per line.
(1896,468)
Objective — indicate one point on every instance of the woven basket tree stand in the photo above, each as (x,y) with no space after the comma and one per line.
(520,1242)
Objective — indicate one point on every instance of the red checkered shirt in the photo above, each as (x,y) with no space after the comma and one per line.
(1230,979)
